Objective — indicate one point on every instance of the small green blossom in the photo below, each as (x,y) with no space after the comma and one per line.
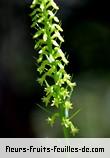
(51,120)
(52,61)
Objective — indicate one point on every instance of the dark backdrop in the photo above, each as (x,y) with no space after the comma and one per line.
(86,27)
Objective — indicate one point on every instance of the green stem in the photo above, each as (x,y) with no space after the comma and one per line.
(66,133)
(62,115)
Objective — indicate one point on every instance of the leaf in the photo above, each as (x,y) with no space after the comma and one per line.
(45,37)
(61,54)
(55,43)
(34,12)
(43,50)
(35,18)
(57,35)
(38,44)
(50,58)
(58,75)
(58,27)
(53,4)
(51,71)
(56,19)
(52,16)
(38,33)
(42,6)
(51,13)
(41,80)
(48,73)
(33,24)
(53,27)
(42,67)
(70,83)
(40,20)
(34,3)
(67,76)
(40,58)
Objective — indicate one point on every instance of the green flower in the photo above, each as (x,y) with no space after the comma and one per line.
(51,60)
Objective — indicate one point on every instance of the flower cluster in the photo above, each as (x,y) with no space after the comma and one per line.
(52,61)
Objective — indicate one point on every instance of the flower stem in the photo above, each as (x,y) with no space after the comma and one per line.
(62,115)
